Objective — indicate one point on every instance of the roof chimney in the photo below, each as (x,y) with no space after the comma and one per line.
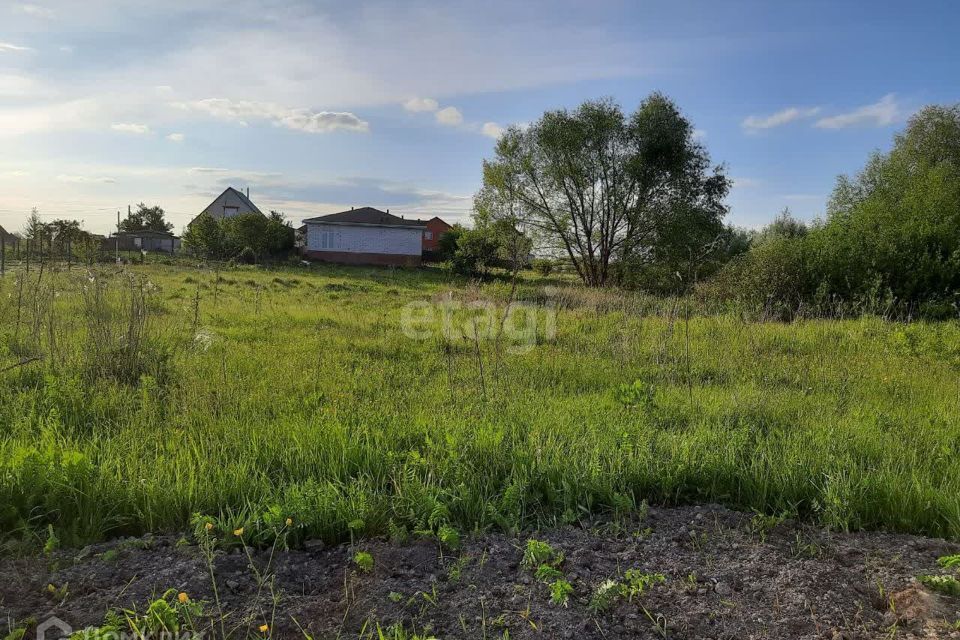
(248,193)
(351,208)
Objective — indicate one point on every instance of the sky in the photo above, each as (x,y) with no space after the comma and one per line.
(320,106)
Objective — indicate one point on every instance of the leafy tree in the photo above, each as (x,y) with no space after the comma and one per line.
(476,253)
(204,237)
(230,237)
(247,230)
(891,240)
(281,236)
(783,226)
(146,219)
(602,187)
(36,232)
(448,240)
(65,234)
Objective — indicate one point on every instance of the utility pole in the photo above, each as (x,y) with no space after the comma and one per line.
(3,253)
(117,237)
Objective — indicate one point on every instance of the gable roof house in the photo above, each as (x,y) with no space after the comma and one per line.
(435,227)
(232,202)
(365,236)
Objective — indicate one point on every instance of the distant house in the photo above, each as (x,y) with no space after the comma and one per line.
(435,227)
(365,236)
(230,203)
(162,241)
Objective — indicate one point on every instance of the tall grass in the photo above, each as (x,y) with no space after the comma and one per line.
(167,391)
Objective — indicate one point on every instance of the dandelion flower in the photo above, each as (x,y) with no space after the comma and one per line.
(289,522)
(183,597)
(238,532)
(264,628)
(209,526)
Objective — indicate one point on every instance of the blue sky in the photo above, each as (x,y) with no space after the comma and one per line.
(319,106)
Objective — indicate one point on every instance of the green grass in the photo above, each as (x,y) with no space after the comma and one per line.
(295,393)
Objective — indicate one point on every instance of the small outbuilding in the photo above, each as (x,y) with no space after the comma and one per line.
(162,241)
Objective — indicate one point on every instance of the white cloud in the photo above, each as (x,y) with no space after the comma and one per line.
(242,111)
(131,127)
(417,105)
(491,130)
(176,137)
(449,116)
(785,116)
(35,10)
(879,114)
(9,47)
(698,134)
(74,179)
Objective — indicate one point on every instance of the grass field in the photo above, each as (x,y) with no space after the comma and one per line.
(164,391)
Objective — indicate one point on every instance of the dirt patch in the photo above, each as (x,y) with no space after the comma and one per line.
(724,578)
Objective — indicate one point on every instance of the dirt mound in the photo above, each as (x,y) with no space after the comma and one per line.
(725,575)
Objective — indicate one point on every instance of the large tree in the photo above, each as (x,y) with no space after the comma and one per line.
(601,187)
(146,219)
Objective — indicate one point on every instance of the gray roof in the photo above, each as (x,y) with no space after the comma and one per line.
(366,215)
(243,198)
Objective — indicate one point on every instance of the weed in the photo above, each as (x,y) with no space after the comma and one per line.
(537,553)
(950,562)
(456,569)
(635,582)
(52,543)
(560,592)
(448,537)
(760,524)
(944,584)
(605,596)
(110,555)
(546,573)
(58,594)
(363,561)
(636,395)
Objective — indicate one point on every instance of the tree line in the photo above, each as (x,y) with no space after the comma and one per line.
(634,201)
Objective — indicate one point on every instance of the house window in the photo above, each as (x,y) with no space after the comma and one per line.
(229,212)
(329,240)
(428,235)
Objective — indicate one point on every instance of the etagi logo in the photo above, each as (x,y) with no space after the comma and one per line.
(53,628)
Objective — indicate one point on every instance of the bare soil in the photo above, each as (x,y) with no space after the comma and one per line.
(724,580)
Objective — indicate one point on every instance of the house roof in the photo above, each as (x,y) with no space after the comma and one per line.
(438,219)
(366,215)
(243,198)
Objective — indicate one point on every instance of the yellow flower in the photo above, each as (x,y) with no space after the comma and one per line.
(209,526)
(238,532)
(289,522)
(183,598)
(264,628)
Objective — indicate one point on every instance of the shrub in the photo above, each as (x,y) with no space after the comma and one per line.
(543,266)
(246,256)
